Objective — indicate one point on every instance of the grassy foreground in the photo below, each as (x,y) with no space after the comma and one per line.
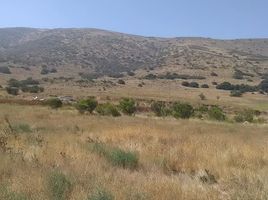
(60,154)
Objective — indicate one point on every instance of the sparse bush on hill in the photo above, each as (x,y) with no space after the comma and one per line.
(54,103)
(160,108)
(204,86)
(244,116)
(194,85)
(87,105)
(128,106)
(12,90)
(236,93)
(182,110)
(216,113)
(27,85)
(58,186)
(185,83)
(263,86)
(242,87)
(121,81)
(130,73)
(5,70)
(108,109)
(213,74)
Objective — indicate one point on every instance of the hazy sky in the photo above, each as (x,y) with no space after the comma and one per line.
(167,18)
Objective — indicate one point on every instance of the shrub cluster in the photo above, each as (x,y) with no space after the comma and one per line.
(191,84)
(172,76)
(128,106)
(238,87)
(54,103)
(87,105)
(244,116)
(216,113)
(108,109)
(28,85)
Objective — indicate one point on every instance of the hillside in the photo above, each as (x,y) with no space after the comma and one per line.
(107,52)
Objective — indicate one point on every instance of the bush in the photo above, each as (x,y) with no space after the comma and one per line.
(44,71)
(185,83)
(159,108)
(182,110)
(128,106)
(87,105)
(58,186)
(122,82)
(213,74)
(22,128)
(216,113)
(236,93)
(54,103)
(244,116)
(225,86)
(12,90)
(107,109)
(202,96)
(263,86)
(130,73)
(125,159)
(204,86)
(101,194)
(116,156)
(194,85)
(5,70)
(214,83)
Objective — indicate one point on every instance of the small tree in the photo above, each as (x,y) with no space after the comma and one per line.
(159,108)
(87,105)
(128,106)
(182,110)
(54,103)
(107,109)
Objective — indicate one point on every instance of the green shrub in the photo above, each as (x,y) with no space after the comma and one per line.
(182,110)
(236,93)
(107,109)
(22,128)
(128,106)
(125,159)
(54,103)
(194,85)
(12,90)
(116,156)
(216,113)
(87,105)
(101,194)
(204,86)
(121,81)
(159,108)
(58,186)
(244,116)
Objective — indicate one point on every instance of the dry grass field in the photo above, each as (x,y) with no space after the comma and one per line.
(61,154)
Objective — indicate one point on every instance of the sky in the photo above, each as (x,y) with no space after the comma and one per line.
(221,19)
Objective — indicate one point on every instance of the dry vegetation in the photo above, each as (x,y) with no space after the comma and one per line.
(61,154)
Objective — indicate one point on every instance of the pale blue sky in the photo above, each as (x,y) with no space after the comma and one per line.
(167,18)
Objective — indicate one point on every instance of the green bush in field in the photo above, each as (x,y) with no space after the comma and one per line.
(125,159)
(182,110)
(216,113)
(101,194)
(87,105)
(108,109)
(58,186)
(244,116)
(22,128)
(54,103)
(116,156)
(128,106)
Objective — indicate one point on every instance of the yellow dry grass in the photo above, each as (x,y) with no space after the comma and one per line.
(172,154)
